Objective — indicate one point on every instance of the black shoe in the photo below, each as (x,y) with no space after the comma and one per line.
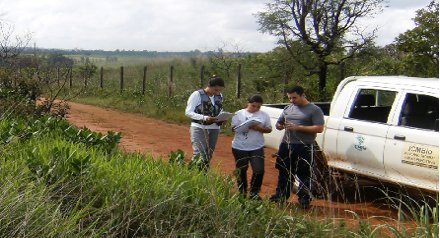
(304,204)
(277,198)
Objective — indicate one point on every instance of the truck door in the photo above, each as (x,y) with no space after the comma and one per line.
(411,150)
(362,131)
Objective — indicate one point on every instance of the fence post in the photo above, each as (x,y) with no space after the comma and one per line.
(238,81)
(70,77)
(122,79)
(170,83)
(202,75)
(101,81)
(58,76)
(144,80)
(84,77)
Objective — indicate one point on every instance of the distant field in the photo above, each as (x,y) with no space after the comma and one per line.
(117,61)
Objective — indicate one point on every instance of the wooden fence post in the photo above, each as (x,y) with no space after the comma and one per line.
(85,78)
(101,81)
(122,79)
(238,81)
(202,75)
(58,76)
(70,77)
(170,83)
(144,80)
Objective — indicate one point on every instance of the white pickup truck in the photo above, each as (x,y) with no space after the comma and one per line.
(382,127)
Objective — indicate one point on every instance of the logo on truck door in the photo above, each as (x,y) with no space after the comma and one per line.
(420,155)
(359,143)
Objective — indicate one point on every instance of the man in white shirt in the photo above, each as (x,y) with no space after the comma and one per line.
(202,107)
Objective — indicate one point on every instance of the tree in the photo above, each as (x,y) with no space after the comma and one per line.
(222,61)
(326,29)
(421,43)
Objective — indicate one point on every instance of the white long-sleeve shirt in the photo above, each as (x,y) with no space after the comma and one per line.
(193,101)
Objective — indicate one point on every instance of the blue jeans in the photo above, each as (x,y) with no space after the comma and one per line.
(294,159)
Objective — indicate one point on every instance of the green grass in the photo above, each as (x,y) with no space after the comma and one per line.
(55,184)
(156,102)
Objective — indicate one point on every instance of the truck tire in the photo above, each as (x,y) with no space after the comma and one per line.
(326,183)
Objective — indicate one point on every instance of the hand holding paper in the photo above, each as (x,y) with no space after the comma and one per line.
(245,126)
(223,116)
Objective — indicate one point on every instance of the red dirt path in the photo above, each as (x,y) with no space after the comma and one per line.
(147,135)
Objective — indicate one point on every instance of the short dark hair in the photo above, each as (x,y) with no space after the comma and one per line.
(255,98)
(216,81)
(296,89)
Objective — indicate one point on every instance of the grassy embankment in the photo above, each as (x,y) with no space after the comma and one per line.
(60,181)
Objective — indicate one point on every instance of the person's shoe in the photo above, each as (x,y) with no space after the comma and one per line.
(304,204)
(277,198)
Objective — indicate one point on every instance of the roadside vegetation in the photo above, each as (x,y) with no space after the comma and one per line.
(61,181)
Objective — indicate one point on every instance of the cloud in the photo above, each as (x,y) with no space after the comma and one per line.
(164,25)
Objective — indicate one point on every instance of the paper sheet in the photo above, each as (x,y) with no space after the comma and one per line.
(244,127)
(223,116)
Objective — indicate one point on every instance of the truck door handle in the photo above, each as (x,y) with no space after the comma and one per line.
(347,128)
(399,137)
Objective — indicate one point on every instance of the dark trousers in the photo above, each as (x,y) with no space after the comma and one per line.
(294,159)
(242,160)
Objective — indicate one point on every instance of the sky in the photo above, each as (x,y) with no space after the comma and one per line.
(166,25)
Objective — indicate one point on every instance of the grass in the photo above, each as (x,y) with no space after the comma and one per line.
(58,185)
(156,102)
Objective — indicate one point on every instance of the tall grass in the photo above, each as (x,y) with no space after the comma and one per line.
(55,185)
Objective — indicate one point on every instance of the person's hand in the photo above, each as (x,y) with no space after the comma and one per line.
(291,126)
(279,126)
(256,127)
(211,119)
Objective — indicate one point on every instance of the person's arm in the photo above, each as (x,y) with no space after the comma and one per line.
(235,121)
(305,129)
(193,101)
(259,127)
(280,125)
(264,127)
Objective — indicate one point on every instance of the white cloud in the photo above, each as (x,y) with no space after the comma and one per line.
(164,25)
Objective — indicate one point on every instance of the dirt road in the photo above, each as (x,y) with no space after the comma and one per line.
(148,135)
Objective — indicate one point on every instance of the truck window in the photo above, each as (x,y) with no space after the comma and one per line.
(420,111)
(372,105)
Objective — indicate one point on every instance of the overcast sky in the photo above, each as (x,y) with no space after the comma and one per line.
(165,25)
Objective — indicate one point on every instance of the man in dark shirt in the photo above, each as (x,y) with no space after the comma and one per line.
(301,120)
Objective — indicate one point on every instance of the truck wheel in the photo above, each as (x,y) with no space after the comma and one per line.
(320,174)
(326,183)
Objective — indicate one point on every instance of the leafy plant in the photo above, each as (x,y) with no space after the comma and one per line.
(177,157)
